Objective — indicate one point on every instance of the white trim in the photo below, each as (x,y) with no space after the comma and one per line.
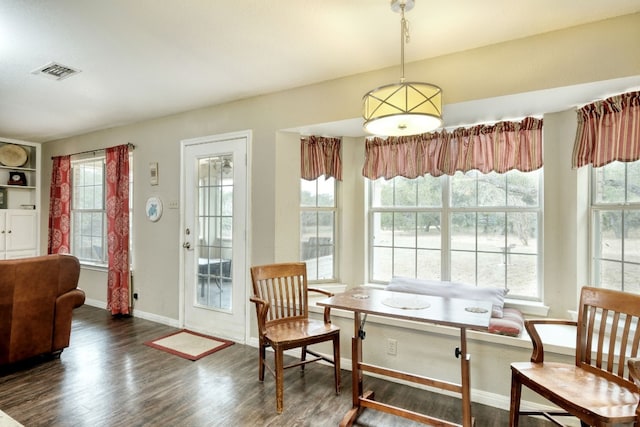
(247,135)
(137,313)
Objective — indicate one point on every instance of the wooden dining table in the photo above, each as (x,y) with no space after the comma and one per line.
(453,312)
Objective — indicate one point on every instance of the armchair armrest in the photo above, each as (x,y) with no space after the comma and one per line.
(65,304)
(537,355)
(327,310)
(634,369)
(262,308)
(322,291)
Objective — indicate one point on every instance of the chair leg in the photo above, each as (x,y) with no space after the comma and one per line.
(303,356)
(516,393)
(336,362)
(279,362)
(262,355)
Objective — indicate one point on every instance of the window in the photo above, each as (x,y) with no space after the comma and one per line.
(88,214)
(482,229)
(615,226)
(318,228)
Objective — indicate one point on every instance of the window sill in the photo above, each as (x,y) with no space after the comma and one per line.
(528,308)
(94,267)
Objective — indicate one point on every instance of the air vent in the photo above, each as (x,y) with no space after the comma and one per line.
(55,71)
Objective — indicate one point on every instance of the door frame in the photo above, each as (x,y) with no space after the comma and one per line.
(248,135)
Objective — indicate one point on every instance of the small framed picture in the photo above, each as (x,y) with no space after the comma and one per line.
(153,173)
(3,198)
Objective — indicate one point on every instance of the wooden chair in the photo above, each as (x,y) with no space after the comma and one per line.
(597,389)
(281,298)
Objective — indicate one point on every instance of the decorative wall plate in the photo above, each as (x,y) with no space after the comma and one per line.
(153,208)
(13,155)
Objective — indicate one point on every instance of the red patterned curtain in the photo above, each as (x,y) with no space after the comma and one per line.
(117,182)
(320,156)
(60,206)
(500,147)
(608,130)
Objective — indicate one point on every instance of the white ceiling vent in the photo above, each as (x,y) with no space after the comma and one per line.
(55,71)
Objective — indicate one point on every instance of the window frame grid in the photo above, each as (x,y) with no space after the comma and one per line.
(94,157)
(446,212)
(336,229)
(595,208)
(103,262)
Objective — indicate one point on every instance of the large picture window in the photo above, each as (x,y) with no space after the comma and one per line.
(318,228)
(481,229)
(615,226)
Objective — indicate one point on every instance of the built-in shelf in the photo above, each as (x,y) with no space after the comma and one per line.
(19,187)
(19,203)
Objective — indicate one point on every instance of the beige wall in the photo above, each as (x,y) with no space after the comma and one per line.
(600,51)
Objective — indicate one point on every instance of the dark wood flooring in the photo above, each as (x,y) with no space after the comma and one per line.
(107,377)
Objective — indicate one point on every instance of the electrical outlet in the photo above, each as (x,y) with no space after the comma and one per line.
(392,346)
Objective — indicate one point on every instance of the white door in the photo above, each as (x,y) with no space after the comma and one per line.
(214,234)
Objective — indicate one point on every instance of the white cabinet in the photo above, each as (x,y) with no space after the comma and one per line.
(19,198)
(18,233)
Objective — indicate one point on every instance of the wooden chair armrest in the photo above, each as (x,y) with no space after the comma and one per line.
(634,374)
(634,369)
(537,355)
(322,291)
(327,310)
(262,308)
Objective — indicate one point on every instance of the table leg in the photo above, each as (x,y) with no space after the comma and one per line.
(466,384)
(356,373)
(356,358)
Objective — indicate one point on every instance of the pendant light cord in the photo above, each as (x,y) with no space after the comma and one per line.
(404,38)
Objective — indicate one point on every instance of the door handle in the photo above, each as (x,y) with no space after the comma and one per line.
(186,245)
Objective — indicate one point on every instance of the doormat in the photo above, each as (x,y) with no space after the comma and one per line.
(190,345)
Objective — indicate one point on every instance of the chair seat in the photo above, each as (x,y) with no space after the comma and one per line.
(292,332)
(580,390)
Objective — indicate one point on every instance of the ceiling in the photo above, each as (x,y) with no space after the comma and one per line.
(149,58)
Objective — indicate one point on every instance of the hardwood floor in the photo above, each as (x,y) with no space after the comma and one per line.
(107,377)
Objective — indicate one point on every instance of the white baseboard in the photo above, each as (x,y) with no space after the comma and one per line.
(137,313)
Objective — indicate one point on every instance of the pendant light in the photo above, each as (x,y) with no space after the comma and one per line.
(405,108)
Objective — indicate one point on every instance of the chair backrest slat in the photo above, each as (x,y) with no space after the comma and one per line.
(623,344)
(284,287)
(608,334)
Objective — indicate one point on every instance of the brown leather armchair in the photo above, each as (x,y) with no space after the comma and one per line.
(37,298)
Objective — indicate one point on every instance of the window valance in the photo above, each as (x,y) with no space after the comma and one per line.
(499,147)
(320,156)
(608,130)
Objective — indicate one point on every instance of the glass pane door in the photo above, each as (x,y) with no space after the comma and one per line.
(214,248)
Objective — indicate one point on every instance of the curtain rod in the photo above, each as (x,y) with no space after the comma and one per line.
(130,145)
